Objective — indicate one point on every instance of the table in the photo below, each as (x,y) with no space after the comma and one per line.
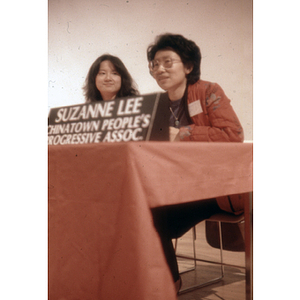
(102,242)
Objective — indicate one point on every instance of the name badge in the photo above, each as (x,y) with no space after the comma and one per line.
(195,108)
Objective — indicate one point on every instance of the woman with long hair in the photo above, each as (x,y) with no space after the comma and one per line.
(107,79)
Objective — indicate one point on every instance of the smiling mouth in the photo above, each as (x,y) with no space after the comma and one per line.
(162,78)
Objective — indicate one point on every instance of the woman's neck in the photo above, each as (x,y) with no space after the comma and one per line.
(108,96)
(177,92)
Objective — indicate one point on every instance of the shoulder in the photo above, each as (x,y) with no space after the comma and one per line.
(202,89)
(203,85)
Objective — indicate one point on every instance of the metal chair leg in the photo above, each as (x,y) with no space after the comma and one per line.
(215,280)
(194,258)
(221,248)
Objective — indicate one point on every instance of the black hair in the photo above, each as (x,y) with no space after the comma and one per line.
(128,86)
(188,51)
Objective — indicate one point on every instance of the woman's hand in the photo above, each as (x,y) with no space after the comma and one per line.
(179,134)
(183,132)
(173,133)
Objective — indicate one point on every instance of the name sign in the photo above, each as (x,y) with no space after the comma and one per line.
(137,118)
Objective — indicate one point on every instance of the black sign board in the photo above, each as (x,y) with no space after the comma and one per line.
(135,118)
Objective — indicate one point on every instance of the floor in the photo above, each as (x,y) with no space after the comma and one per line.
(231,287)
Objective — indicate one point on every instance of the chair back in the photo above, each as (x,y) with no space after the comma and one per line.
(233,228)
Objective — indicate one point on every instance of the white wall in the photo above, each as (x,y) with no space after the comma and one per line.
(80,31)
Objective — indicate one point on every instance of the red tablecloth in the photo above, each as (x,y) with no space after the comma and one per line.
(102,243)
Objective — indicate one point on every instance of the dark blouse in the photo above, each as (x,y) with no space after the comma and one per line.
(178,111)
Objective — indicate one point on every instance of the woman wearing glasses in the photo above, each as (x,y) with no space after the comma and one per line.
(200,111)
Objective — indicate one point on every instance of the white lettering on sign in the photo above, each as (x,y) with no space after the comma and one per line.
(123,135)
(74,127)
(74,113)
(81,138)
(131,106)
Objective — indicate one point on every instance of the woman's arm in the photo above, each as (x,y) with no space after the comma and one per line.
(222,123)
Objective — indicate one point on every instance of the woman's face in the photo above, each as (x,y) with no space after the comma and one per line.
(108,81)
(171,79)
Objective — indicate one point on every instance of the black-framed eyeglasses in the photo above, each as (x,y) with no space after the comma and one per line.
(167,63)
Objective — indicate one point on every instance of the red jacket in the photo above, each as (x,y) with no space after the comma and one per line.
(215,121)
(213,117)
